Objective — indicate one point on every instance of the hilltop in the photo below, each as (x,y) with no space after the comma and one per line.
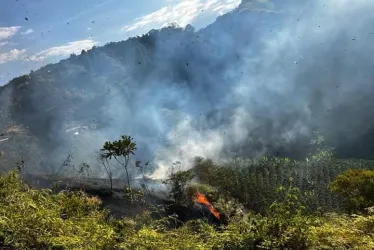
(260,80)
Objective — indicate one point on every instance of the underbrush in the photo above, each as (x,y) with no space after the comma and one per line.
(40,219)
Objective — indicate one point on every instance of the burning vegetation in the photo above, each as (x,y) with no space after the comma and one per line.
(200,198)
(73,219)
(247,93)
(272,213)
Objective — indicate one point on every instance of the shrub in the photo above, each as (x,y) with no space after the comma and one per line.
(357,187)
(40,219)
(37,219)
(343,232)
(178,182)
(134,196)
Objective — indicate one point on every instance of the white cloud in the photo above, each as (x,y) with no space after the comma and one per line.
(64,50)
(7,32)
(3,43)
(27,32)
(12,55)
(182,13)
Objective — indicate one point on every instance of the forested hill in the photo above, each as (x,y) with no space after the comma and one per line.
(259,80)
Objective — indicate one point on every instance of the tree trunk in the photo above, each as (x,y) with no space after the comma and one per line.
(128,178)
(109,173)
(111,182)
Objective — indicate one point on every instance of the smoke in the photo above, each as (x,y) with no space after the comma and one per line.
(258,81)
(292,79)
(308,73)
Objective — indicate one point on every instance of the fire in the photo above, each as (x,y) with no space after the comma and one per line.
(200,198)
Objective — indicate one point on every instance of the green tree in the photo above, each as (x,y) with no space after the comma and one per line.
(120,150)
(179,180)
(357,188)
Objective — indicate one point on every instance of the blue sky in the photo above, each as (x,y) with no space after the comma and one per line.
(34,33)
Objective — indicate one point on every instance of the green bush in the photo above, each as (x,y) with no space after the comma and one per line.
(134,196)
(37,219)
(178,181)
(343,232)
(357,187)
(40,219)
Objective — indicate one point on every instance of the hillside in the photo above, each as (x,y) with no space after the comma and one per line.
(255,132)
(258,81)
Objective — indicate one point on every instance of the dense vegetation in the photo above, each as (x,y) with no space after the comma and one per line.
(253,182)
(307,201)
(264,204)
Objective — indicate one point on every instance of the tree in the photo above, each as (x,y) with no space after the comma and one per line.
(179,180)
(104,161)
(120,150)
(357,187)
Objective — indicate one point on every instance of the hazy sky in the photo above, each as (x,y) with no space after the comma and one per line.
(38,32)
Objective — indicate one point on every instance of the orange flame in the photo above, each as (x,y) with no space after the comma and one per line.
(200,198)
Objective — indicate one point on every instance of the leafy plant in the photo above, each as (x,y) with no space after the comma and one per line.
(286,225)
(178,181)
(40,219)
(357,187)
(120,151)
(134,196)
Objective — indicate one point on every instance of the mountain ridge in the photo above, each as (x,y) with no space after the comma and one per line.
(187,92)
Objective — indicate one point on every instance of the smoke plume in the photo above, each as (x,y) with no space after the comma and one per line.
(258,81)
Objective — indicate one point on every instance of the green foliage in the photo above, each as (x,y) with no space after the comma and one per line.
(286,226)
(210,192)
(253,182)
(39,219)
(230,207)
(357,187)
(178,181)
(119,150)
(32,219)
(343,232)
(134,196)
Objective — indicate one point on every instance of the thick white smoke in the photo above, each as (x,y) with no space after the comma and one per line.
(256,81)
(268,81)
